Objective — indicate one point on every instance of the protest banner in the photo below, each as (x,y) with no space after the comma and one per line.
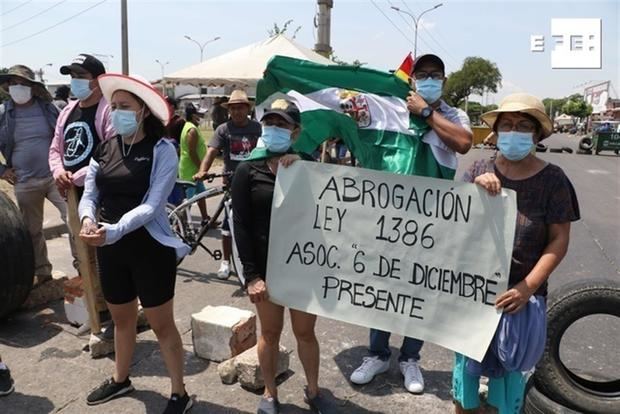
(421,257)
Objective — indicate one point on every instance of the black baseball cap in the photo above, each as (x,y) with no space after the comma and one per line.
(190,110)
(85,62)
(290,114)
(430,58)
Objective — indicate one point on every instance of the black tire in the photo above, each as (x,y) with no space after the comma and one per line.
(567,149)
(555,150)
(537,403)
(567,305)
(541,147)
(16,258)
(586,143)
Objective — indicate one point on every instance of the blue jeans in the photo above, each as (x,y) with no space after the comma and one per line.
(380,346)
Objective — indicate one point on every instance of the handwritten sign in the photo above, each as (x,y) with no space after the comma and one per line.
(421,257)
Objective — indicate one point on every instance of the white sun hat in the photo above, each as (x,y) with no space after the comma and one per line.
(139,86)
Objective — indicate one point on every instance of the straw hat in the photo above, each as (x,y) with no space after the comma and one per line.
(152,98)
(238,97)
(525,103)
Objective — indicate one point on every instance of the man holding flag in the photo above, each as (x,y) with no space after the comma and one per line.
(449,133)
(386,127)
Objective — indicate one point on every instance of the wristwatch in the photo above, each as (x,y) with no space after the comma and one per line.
(426,112)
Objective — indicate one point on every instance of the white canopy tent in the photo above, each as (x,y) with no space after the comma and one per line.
(245,66)
(564,119)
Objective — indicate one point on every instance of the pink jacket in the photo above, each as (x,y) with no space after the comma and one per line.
(103,125)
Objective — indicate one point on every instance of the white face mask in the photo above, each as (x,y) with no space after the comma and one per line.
(20,93)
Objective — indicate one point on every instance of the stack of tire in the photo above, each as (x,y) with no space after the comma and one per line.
(16,258)
(585,146)
(555,389)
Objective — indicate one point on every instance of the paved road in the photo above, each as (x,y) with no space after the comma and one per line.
(53,374)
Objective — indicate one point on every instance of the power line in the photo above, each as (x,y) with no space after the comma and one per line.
(34,15)
(449,55)
(390,20)
(15,8)
(407,6)
(55,25)
(409,24)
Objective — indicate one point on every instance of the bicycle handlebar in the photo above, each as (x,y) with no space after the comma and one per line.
(211,177)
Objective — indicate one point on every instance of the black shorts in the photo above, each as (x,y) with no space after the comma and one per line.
(137,266)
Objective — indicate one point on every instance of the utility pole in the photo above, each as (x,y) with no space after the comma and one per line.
(551,109)
(416,22)
(322,21)
(124,37)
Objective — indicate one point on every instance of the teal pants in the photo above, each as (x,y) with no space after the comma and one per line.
(505,393)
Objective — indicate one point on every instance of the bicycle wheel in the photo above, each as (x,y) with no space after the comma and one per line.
(176,221)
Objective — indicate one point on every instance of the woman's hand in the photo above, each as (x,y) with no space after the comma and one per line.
(92,235)
(515,298)
(288,159)
(489,182)
(257,289)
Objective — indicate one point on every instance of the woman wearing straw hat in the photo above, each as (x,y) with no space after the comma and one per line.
(546,205)
(128,182)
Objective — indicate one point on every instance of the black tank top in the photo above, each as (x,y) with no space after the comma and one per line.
(122,181)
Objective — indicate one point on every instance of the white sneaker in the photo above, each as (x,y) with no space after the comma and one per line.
(414,382)
(224,272)
(370,367)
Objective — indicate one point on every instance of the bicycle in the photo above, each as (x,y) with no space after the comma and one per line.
(191,231)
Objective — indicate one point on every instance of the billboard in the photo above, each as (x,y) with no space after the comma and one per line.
(597,96)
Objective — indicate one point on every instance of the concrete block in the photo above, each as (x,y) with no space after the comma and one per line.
(227,371)
(221,332)
(99,347)
(248,370)
(44,293)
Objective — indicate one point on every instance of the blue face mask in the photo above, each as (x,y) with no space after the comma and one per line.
(80,88)
(515,145)
(429,89)
(124,122)
(276,139)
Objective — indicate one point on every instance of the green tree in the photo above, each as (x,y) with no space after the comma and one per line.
(475,110)
(576,106)
(554,105)
(3,95)
(277,30)
(334,58)
(476,76)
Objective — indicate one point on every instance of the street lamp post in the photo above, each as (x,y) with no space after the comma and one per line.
(162,65)
(41,73)
(416,21)
(202,45)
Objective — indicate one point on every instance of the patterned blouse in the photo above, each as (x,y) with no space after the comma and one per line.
(548,197)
